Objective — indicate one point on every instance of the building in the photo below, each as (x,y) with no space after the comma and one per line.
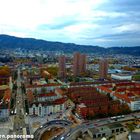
(79,64)
(45,100)
(47,97)
(45,108)
(5,95)
(62,67)
(105,131)
(126,92)
(90,102)
(4,80)
(82,63)
(4,111)
(121,76)
(134,136)
(103,68)
(76,59)
(47,87)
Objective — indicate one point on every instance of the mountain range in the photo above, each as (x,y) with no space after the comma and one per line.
(12,42)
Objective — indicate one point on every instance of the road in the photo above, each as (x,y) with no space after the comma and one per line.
(55,123)
(19,120)
(93,124)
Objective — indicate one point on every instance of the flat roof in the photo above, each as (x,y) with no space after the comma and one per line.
(116,125)
(3,87)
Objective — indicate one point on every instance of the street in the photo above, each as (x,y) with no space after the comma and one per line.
(19,120)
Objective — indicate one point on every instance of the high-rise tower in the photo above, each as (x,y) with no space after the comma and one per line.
(79,64)
(62,67)
(103,68)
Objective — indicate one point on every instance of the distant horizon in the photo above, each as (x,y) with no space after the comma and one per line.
(104,22)
(120,46)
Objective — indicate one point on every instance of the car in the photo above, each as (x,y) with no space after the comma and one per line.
(12,112)
(134,116)
(62,138)
(65,124)
(95,124)
(68,134)
(15,112)
(88,123)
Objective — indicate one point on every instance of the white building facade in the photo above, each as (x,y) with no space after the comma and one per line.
(43,109)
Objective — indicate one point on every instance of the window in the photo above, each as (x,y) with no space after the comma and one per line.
(99,135)
(39,110)
(33,111)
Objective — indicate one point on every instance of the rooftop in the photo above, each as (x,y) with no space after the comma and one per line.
(116,125)
(4,87)
(44,85)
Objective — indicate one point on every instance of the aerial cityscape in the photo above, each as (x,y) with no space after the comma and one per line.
(69,70)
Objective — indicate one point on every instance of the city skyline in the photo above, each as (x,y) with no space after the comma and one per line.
(100,22)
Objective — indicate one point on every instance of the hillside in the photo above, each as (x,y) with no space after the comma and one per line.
(11,42)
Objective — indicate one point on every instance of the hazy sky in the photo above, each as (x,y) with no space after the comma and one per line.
(94,22)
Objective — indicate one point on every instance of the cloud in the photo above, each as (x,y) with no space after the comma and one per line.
(94,22)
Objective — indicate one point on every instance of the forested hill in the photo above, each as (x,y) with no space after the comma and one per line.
(11,42)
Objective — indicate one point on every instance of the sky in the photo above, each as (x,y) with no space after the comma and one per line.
(105,23)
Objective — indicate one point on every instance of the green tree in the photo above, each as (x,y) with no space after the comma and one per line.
(43,90)
(35,93)
(46,79)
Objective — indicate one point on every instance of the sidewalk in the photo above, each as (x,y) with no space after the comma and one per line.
(5,127)
(40,120)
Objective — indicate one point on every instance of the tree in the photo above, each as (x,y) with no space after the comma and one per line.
(70,79)
(31,81)
(14,86)
(15,75)
(109,97)
(46,79)
(53,70)
(43,90)
(5,71)
(23,88)
(77,79)
(35,93)
(125,109)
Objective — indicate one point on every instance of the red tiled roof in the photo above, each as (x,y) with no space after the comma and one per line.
(105,89)
(125,84)
(60,101)
(96,82)
(121,90)
(7,96)
(130,94)
(134,89)
(47,94)
(45,85)
(56,102)
(137,85)
(123,97)
(123,87)
(30,96)
(60,91)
